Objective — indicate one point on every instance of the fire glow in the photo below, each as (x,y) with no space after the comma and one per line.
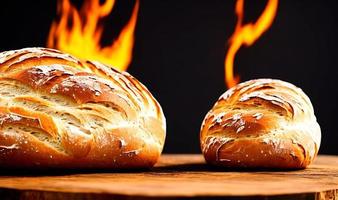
(246,34)
(82,36)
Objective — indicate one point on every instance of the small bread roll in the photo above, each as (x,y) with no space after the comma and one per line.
(261,123)
(59,112)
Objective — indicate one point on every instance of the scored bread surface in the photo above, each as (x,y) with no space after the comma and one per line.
(261,123)
(57,111)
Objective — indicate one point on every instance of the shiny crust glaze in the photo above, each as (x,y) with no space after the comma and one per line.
(261,123)
(57,111)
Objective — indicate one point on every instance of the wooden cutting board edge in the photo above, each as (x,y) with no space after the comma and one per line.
(18,191)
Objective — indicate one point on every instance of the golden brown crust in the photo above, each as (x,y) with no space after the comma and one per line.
(261,123)
(59,112)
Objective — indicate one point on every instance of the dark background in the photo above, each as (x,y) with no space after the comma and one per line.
(180,48)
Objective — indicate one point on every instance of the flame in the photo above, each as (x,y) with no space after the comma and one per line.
(246,34)
(82,38)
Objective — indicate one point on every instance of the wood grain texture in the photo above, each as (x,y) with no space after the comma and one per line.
(175,176)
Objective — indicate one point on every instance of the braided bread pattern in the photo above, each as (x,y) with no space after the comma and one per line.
(60,112)
(261,123)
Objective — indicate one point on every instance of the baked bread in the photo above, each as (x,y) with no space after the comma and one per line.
(261,123)
(59,112)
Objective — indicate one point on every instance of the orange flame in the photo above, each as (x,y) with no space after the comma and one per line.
(82,38)
(246,34)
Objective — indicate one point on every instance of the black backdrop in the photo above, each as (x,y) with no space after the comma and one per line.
(180,47)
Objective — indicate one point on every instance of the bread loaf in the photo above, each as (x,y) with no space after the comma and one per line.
(261,123)
(59,112)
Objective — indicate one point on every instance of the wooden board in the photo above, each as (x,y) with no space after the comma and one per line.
(176,176)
